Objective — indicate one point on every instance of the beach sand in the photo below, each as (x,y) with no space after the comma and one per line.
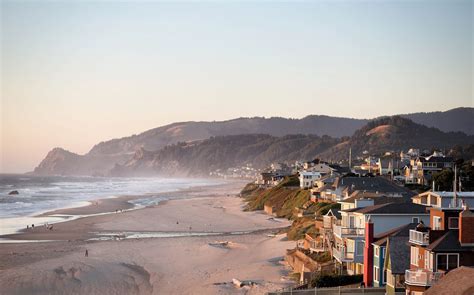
(171,265)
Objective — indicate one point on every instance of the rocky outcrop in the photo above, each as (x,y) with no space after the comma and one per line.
(62,162)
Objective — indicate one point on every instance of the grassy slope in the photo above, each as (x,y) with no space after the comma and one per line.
(285,197)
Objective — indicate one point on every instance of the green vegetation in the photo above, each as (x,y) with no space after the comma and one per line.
(320,257)
(284,198)
(249,189)
(300,227)
(325,281)
(444,179)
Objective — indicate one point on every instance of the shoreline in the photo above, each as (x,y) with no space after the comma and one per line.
(100,206)
(195,244)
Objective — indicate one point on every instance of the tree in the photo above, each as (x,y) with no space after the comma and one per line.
(444,180)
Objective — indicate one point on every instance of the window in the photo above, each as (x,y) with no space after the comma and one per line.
(414,256)
(390,278)
(427,260)
(376,274)
(436,223)
(360,248)
(415,220)
(431,261)
(377,251)
(447,261)
(453,222)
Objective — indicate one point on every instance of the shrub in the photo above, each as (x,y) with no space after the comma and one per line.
(325,281)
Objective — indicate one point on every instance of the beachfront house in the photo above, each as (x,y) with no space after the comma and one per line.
(444,245)
(307,178)
(350,235)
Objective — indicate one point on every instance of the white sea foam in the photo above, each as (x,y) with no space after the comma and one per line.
(38,195)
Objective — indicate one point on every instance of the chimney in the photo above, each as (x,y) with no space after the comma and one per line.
(466,227)
(369,253)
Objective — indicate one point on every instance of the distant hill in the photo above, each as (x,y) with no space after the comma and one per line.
(459,119)
(105,155)
(201,157)
(221,152)
(394,134)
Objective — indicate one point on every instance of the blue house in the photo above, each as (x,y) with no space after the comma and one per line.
(380,245)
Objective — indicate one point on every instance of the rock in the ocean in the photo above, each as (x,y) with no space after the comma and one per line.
(14,193)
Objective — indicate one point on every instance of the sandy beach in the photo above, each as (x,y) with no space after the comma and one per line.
(197,245)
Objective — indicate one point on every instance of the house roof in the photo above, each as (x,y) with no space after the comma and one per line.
(340,169)
(449,242)
(451,194)
(334,213)
(401,231)
(457,281)
(392,208)
(372,184)
(435,159)
(399,252)
(379,198)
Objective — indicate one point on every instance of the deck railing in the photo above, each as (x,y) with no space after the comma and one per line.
(342,231)
(342,255)
(419,238)
(422,277)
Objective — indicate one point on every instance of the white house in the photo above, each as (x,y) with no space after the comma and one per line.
(307,178)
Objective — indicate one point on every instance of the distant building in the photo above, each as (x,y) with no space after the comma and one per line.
(340,188)
(421,169)
(307,178)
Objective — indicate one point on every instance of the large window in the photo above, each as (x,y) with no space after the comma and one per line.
(427,260)
(414,256)
(447,261)
(390,278)
(376,274)
(436,223)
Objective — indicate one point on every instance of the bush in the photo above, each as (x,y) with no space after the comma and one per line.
(325,281)
(292,180)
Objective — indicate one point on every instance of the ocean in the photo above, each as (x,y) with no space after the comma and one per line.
(40,194)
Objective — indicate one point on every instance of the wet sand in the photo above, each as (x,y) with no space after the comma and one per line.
(179,265)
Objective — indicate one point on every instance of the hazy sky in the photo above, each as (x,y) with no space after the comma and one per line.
(75,73)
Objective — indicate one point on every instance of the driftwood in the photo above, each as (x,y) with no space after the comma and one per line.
(240,284)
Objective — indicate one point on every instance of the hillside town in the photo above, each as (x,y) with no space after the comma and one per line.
(399,223)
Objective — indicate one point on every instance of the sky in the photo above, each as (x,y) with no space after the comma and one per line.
(79,72)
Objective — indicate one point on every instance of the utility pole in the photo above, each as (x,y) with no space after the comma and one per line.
(455,198)
(350,158)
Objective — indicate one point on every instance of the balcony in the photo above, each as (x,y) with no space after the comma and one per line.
(422,277)
(342,231)
(419,238)
(342,255)
(317,246)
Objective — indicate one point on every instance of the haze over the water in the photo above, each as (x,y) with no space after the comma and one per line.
(74,74)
